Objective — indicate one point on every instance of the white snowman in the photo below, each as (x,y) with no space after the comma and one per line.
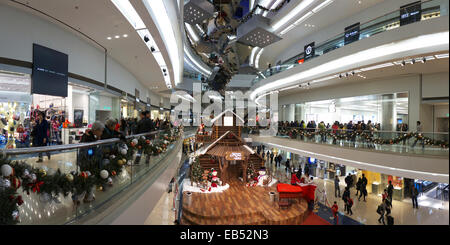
(262,177)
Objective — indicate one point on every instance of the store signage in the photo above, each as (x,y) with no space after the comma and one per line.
(309,51)
(108,108)
(410,13)
(351,33)
(50,71)
(233,156)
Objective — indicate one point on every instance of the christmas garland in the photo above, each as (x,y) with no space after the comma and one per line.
(94,170)
(366,136)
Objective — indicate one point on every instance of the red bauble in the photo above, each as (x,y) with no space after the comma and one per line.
(148,142)
(15,182)
(84,175)
(113,173)
(212,161)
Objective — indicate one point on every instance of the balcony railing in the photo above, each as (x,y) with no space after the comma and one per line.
(54,208)
(389,21)
(386,141)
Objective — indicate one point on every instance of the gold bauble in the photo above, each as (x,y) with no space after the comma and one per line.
(69,177)
(120,162)
(43,172)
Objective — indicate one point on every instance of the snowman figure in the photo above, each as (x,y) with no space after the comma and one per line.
(215,181)
(262,176)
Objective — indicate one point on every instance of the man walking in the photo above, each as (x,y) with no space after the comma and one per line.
(363,188)
(415,194)
(337,190)
(390,192)
(345,197)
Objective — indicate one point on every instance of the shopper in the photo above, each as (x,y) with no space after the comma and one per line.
(363,188)
(418,131)
(337,190)
(414,195)
(294,179)
(358,185)
(94,133)
(271,157)
(381,210)
(349,180)
(40,134)
(349,205)
(390,191)
(287,165)
(345,197)
(109,131)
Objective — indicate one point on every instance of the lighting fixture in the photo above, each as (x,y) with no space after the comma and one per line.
(152,49)
(285,19)
(403,63)
(424,60)
(109,38)
(378,52)
(353,73)
(159,13)
(146,39)
(413,61)
(377,66)
(117,36)
(340,76)
(196,11)
(256,32)
(125,35)
(441,56)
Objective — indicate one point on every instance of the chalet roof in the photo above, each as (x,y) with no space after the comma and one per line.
(227,110)
(217,149)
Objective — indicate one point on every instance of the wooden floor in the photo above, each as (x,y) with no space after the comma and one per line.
(240,205)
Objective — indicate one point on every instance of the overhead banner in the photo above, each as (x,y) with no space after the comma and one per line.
(50,72)
(309,51)
(410,13)
(351,33)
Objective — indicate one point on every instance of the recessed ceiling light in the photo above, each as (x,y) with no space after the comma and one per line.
(117,36)
(109,38)
(359,2)
(125,35)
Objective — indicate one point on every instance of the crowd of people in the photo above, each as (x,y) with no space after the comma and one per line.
(112,128)
(312,126)
(351,181)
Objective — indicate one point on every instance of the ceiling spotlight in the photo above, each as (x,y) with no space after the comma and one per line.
(117,36)
(413,61)
(164,70)
(152,49)
(308,84)
(424,60)
(146,39)
(340,76)
(109,38)
(353,73)
(403,63)
(346,74)
(125,35)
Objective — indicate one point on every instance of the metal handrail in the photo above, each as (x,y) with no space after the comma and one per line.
(41,149)
(337,37)
(373,131)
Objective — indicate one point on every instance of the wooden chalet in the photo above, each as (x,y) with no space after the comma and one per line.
(230,156)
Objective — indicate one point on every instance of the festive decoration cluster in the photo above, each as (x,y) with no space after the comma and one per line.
(366,136)
(97,166)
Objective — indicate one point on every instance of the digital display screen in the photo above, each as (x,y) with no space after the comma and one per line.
(351,33)
(50,71)
(309,51)
(410,13)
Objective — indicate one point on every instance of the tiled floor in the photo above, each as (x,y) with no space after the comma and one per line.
(163,213)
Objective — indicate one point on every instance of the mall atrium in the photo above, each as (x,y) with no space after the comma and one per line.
(224,112)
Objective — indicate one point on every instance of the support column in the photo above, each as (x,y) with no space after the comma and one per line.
(388,112)
(298,112)
(290,112)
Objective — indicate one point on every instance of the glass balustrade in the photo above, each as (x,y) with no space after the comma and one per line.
(430,9)
(45,208)
(386,141)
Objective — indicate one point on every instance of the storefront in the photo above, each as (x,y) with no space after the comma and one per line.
(376,108)
(68,116)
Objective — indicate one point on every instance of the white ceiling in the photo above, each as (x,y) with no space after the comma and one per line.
(338,10)
(431,66)
(100,19)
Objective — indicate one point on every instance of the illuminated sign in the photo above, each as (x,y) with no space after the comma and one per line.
(309,51)
(233,156)
(351,33)
(410,13)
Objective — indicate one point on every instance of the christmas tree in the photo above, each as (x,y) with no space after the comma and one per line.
(197,171)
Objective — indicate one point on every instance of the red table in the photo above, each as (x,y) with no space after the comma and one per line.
(289,191)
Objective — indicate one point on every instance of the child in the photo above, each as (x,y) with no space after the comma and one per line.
(335,209)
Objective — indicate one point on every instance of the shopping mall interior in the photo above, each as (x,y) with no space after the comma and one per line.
(224,112)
